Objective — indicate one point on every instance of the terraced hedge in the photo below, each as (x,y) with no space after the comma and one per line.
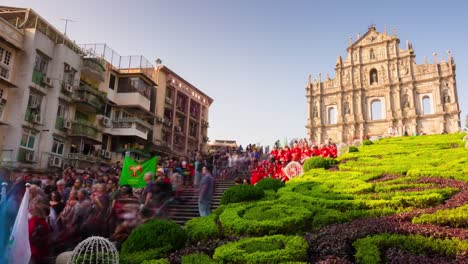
(269,249)
(456,217)
(368,250)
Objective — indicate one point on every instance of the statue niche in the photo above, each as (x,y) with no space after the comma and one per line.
(373,76)
(446,97)
(405,101)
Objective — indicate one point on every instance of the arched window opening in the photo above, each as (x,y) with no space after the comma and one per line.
(376,110)
(372,54)
(373,76)
(427,105)
(331,115)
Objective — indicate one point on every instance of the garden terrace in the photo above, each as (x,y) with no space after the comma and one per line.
(394,200)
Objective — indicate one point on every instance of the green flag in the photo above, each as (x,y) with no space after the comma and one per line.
(133,172)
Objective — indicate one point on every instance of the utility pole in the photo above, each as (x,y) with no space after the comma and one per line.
(66,24)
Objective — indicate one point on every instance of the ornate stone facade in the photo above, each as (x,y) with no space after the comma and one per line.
(379,89)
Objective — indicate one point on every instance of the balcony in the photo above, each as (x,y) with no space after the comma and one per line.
(89,99)
(131,126)
(77,158)
(93,68)
(134,99)
(2,110)
(81,128)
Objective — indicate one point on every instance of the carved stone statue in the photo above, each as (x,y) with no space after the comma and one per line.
(346,108)
(315,112)
(406,103)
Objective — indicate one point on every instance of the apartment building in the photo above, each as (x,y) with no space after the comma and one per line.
(182,124)
(86,105)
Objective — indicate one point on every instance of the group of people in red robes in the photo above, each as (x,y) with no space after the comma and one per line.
(281,157)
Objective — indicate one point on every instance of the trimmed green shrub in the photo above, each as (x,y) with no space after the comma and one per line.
(269,249)
(270,184)
(353,149)
(368,249)
(197,259)
(265,218)
(152,240)
(316,162)
(156,261)
(242,193)
(456,217)
(367,142)
(202,228)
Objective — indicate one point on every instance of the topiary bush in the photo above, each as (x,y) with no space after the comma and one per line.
(197,259)
(202,228)
(367,142)
(353,149)
(316,162)
(269,249)
(270,184)
(455,217)
(242,193)
(152,240)
(265,218)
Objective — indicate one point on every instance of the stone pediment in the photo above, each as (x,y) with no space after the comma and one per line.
(371,37)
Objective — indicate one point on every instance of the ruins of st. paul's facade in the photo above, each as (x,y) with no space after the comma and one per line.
(379,90)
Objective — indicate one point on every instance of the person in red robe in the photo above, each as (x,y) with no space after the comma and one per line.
(39,234)
(306,152)
(333,151)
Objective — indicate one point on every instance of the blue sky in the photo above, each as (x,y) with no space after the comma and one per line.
(253,57)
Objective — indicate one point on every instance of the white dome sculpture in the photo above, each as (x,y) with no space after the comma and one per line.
(97,250)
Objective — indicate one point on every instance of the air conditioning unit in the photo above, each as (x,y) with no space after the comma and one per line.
(37,119)
(67,124)
(169,124)
(160,119)
(68,68)
(101,152)
(47,81)
(55,162)
(107,122)
(68,88)
(178,128)
(107,154)
(168,100)
(29,157)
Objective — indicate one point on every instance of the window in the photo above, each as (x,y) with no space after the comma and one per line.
(69,75)
(376,110)
(372,54)
(40,65)
(331,116)
(427,105)
(28,139)
(62,110)
(112,82)
(57,147)
(5,61)
(373,76)
(34,101)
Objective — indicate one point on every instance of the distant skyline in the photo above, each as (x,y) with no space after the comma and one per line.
(253,57)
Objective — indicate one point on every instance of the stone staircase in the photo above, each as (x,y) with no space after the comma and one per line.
(187,208)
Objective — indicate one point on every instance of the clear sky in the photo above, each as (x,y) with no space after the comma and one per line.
(253,57)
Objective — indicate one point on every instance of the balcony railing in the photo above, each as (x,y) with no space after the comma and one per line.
(85,129)
(92,97)
(123,122)
(84,157)
(93,68)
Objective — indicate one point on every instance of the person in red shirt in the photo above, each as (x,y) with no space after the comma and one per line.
(306,152)
(324,151)
(287,155)
(333,151)
(315,151)
(39,233)
(296,153)
(274,153)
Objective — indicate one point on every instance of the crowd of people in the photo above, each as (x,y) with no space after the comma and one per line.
(67,207)
(280,157)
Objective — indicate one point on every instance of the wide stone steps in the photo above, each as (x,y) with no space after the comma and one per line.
(187,208)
